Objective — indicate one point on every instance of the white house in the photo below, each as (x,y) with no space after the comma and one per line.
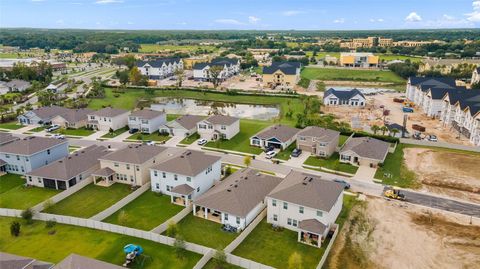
(160,68)
(351,97)
(183,126)
(476,76)
(277,136)
(108,118)
(186,176)
(146,120)
(417,86)
(236,200)
(306,204)
(230,67)
(218,127)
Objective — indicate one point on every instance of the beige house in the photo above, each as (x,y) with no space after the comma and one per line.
(445,66)
(108,118)
(72,118)
(318,141)
(281,74)
(364,151)
(218,127)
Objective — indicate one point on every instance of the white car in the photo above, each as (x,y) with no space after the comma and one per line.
(202,142)
(58,136)
(270,154)
(53,128)
(150,143)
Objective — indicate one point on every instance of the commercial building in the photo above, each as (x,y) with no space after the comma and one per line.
(359,59)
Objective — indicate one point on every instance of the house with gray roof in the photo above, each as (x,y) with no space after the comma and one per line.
(230,67)
(67,172)
(24,155)
(218,127)
(186,175)
(351,97)
(183,126)
(147,120)
(236,200)
(41,115)
(108,118)
(281,74)
(319,141)
(15,85)
(364,151)
(6,138)
(417,86)
(307,204)
(160,68)
(72,118)
(11,261)
(74,261)
(277,136)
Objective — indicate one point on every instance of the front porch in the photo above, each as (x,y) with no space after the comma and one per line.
(206,213)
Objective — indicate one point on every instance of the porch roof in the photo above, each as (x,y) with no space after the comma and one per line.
(313,226)
(183,189)
(104,172)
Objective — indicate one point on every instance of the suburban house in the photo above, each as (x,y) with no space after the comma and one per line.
(183,126)
(417,86)
(476,76)
(74,261)
(231,67)
(352,97)
(6,138)
(160,68)
(236,200)
(108,118)
(41,115)
(364,151)
(319,141)
(359,59)
(277,136)
(186,176)
(146,120)
(10,261)
(306,204)
(130,165)
(282,74)
(72,118)
(15,85)
(218,127)
(68,171)
(24,155)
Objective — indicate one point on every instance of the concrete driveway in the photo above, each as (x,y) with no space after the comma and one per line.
(172,142)
(298,161)
(365,173)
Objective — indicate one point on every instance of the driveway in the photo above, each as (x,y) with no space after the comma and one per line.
(172,142)
(298,161)
(365,173)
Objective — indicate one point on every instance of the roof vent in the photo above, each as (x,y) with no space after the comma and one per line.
(235,185)
(310,179)
(229,190)
(304,183)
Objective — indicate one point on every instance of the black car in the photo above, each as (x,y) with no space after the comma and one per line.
(133,130)
(345,184)
(269,148)
(296,153)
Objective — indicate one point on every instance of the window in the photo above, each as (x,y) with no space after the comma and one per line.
(18,158)
(26,159)
(48,151)
(168,188)
(30,178)
(175,177)
(319,213)
(274,202)
(285,205)
(302,138)
(289,221)
(294,223)
(238,220)
(132,118)
(137,168)
(189,179)
(225,216)
(164,175)
(300,210)
(39,180)
(345,157)
(131,178)
(7,156)
(155,173)
(322,144)
(157,185)
(115,164)
(275,217)
(198,189)
(223,127)
(128,166)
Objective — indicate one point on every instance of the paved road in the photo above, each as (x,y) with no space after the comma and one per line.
(443,203)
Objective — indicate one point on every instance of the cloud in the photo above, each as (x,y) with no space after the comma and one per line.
(290,13)
(413,17)
(377,20)
(59,21)
(340,20)
(103,2)
(130,23)
(229,21)
(253,19)
(474,16)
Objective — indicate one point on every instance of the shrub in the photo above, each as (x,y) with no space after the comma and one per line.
(179,248)
(50,223)
(47,204)
(228,171)
(15,228)
(219,258)
(172,229)
(27,215)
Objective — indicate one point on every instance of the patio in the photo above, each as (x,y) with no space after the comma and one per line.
(208,214)
(103,177)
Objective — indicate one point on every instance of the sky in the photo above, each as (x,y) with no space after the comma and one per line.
(241,14)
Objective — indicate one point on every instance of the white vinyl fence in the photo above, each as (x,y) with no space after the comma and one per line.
(235,243)
(246,263)
(329,247)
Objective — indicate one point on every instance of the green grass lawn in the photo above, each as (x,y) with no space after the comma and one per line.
(211,265)
(241,142)
(342,139)
(38,129)
(285,154)
(36,242)
(204,232)
(383,57)
(14,195)
(75,132)
(189,140)
(394,171)
(349,74)
(116,133)
(90,200)
(171,117)
(13,125)
(331,163)
(146,212)
(149,48)
(157,137)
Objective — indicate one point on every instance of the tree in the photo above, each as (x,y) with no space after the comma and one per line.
(135,76)
(384,129)
(123,76)
(394,131)
(172,229)
(219,258)
(46,98)
(476,86)
(15,228)
(295,261)
(179,248)
(27,215)
(375,129)
(247,160)
(214,74)
(179,74)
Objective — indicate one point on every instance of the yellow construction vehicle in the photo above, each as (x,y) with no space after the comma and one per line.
(392,193)
(407,103)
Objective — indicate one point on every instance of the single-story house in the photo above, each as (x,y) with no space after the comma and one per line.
(15,85)
(146,120)
(183,126)
(236,200)
(218,127)
(108,118)
(318,141)
(307,204)
(72,118)
(41,115)
(364,151)
(352,97)
(278,136)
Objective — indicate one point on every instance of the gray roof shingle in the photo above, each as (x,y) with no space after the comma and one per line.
(367,147)
(312,225)
(147,114)
(30,145)
(136,154)
(221,119)
(189,121)
(321,134)
(188,163)
(7,138)
(109,112)
(288,68)
(281,132)
(74,261)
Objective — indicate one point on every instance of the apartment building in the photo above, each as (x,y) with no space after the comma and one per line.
(281,74)
(230,67)
(160,68)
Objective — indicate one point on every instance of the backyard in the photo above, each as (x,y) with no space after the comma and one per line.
(146,212)
(332,163)
(36,241)
(90,200)
(13,194)
(351,75)
(204,232)
(13,125)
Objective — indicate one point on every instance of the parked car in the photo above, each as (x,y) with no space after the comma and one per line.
(133,130)
(296,153)
(202,141)
(58,136)
(270,154)
(269,148)
(150,143)
(407,109)
(53,128)
(417,135)
(345,184)
(432,138)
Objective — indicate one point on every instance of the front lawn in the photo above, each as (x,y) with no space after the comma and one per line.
(90,200)
(351,75)
(146,212)
(156,136)
(189,140)
(74,132)
(331,163)
(241,142)
(116,132)
(285,154)
(13,125)
(14,194)
(394,171)
(35,241)
(204,232)
(38,129)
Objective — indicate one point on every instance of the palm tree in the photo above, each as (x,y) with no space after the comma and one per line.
(384,129)
(394,132)
(375,129)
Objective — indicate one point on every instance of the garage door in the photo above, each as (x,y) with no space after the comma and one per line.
(306,148)
(275,145)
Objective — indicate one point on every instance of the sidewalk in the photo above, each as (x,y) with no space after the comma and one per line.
(120,137)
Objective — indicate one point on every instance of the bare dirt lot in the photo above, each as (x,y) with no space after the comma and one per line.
(445,172)
(388,234)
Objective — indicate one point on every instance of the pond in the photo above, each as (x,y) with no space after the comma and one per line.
(203,107)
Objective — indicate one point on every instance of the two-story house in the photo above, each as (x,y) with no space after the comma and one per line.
(319,141)
(218,127)
(230,67)
(281,74)
(24,155)
(186,176)
(146,120)
(183,126)
(108,118)
(306,204)
(160,68)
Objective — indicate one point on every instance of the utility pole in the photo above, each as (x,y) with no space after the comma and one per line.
(405,117)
